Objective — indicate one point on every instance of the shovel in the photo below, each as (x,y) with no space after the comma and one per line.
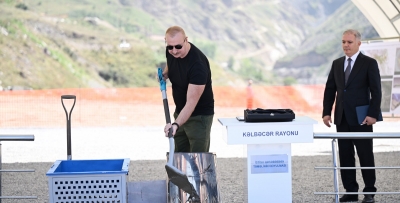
(69,155)
(176,176)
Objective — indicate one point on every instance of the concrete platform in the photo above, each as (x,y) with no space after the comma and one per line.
(147,191)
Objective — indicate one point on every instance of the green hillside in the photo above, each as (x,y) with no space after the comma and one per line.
(119,43)
(311,61)
(78,45)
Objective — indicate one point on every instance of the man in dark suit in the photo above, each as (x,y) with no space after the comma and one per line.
(354,80)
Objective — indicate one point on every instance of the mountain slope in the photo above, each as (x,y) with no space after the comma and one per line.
(119,43)
(311,62)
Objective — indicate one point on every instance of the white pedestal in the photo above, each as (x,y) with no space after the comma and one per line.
(269,156)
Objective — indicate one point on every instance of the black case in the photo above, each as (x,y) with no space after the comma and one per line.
(268,115)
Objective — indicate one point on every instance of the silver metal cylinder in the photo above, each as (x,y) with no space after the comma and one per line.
(200,168)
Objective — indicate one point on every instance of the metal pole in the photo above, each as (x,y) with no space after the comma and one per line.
(357,135)
(335,171)
(352,135)
(357,193)
(18,171)
(18,197)
(358,167)
(4,137)
(0,173)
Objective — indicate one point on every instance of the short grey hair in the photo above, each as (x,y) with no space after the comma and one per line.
(353,32)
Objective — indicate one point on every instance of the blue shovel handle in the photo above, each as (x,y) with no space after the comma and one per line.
(161,79)
(165,100)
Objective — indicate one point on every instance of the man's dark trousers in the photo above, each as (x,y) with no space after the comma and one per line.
(365,154)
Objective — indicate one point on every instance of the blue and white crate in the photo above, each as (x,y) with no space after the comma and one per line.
(82,181)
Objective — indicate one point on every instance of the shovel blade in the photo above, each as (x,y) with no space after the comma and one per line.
(180,179)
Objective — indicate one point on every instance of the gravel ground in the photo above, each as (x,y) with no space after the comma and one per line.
(306,180)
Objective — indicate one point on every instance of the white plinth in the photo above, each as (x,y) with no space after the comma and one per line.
(269,162)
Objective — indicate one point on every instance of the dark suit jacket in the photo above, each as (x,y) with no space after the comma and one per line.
(363,87)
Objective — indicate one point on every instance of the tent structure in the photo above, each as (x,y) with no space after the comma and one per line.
(384,15)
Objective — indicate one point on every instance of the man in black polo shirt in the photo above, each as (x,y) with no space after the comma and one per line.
(189,71)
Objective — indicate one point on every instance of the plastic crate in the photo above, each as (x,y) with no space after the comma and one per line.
(88,181)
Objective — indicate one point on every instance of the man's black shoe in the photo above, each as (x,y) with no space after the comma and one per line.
(349,198)
(368,199)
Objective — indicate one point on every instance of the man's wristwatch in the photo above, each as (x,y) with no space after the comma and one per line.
(177,126)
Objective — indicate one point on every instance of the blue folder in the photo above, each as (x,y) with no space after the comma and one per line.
(362,113)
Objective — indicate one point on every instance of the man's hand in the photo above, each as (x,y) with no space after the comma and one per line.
(164,74)
(165,77)
(167,129)
(327,120)
(369,121)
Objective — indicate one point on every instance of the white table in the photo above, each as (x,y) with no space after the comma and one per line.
(269,162)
